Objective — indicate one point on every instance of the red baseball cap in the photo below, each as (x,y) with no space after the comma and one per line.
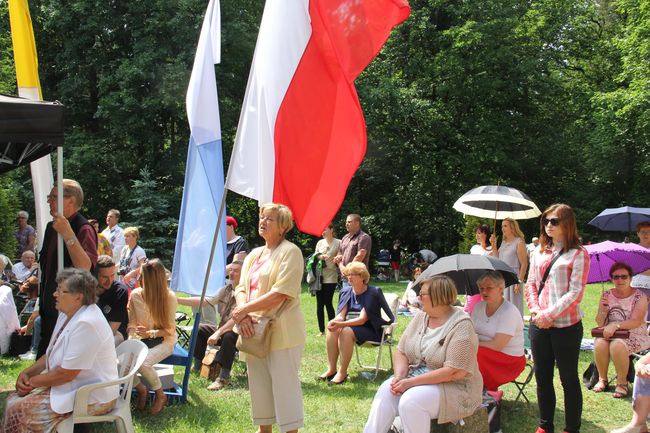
(231,221)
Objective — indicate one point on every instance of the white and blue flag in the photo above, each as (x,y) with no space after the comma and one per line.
(204,182)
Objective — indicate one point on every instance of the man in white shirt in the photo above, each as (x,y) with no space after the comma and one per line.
(114,233)
(25,267)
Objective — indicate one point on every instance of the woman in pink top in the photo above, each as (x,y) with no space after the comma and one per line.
(556,283)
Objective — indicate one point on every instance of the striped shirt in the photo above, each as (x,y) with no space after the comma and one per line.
(560,299)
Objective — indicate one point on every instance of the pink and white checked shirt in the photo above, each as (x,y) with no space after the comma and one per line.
(560,299)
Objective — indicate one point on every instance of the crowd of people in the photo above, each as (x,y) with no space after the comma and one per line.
(446,359)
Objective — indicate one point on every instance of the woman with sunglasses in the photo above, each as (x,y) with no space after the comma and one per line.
(622,307)
(556,283)
(152,313)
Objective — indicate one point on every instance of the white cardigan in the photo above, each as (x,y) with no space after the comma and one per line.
(85,344)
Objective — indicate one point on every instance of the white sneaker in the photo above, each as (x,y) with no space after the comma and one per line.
(28,356)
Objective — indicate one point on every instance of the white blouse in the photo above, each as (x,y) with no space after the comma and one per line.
(86,343)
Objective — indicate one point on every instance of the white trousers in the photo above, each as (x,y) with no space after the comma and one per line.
(274,384)
(416,408)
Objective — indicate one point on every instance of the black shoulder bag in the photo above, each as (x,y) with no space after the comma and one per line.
(545,277)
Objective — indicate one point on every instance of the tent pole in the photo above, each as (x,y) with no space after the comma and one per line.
(59,203)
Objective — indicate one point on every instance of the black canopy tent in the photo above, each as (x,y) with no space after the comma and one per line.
(28,130)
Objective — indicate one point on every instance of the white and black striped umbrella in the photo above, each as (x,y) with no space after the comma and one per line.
(497,202)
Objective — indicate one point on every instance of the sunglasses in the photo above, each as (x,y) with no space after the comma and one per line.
(554,221)
(620,277)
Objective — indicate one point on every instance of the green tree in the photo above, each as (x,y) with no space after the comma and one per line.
(148,210)
(9,205)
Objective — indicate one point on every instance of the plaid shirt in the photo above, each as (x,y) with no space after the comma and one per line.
(560,299)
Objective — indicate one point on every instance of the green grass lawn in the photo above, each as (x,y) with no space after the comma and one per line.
(344,408)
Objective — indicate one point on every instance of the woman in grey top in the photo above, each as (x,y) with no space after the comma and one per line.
(513,251)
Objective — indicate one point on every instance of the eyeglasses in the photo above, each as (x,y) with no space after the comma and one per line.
(554,221)
(620,277)
(51,197)
(60,291)
(644,233)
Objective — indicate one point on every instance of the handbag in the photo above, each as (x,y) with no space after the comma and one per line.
(209,368)
(619,333)
(259,345)
(152,342)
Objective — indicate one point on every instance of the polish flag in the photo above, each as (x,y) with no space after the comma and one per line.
(301,133)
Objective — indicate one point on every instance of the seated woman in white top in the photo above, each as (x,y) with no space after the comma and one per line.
(500,331)
(80,352)
(410,301)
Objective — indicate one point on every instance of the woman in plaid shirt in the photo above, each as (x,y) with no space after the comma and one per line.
(556,319)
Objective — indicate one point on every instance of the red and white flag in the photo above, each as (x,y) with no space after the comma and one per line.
(301,133)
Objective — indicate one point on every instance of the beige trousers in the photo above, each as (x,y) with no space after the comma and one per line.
(155,355)
(274,383)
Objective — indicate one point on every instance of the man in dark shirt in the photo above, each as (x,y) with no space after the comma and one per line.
(224,302)
(112,298)
(356,245)
(79,251)
(236,246)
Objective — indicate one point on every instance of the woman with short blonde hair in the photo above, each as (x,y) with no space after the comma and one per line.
(131,257)
(436,372)
(270,280)
(358,320)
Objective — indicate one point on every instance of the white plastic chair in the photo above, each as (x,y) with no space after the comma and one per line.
(130,356)
(392,300)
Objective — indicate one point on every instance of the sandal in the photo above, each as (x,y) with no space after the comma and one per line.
(620,391)
(600,386)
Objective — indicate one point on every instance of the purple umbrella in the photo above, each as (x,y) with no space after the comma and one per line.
(604,254)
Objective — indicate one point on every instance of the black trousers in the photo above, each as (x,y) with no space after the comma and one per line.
(561,347)
(48,323)
(324,301)
(227,345)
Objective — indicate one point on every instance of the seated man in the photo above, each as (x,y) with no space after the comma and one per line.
(26,267)
(224,302)
(112,298)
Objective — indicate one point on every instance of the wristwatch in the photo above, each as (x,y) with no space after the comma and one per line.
(70,242)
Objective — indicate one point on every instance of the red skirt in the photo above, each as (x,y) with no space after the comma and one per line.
(498,368)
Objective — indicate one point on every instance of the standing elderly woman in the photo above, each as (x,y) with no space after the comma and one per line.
(513,252)
(622,307)
(81,352)
(558,274)
(500,330)
(436,373)
(358,320)
(152,312)
(270,280)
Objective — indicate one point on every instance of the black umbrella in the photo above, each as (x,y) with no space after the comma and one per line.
(620,219)
(465,269)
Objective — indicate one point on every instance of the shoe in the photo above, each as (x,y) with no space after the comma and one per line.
(158,405)
(327,378)
(600,386)
(332,382)
(218,384)
(28,356)
(620,391)
(628,429)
